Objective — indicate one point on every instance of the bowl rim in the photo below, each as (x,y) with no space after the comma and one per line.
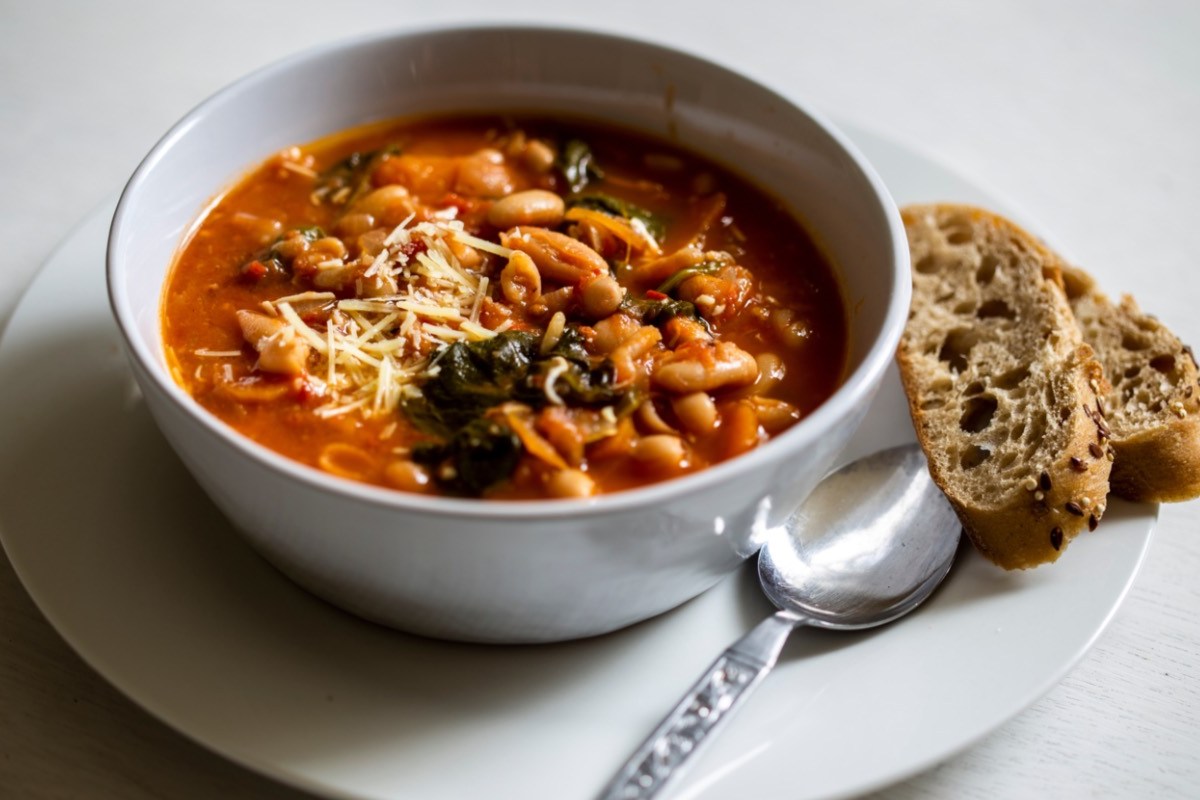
(856,387)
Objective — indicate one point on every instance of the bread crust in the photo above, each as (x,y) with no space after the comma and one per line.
(1159,466)
(1053,487)
(1154,413)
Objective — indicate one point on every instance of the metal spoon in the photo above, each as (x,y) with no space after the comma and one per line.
(872,541)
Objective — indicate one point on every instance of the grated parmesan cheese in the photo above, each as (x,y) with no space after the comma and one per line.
(373,352)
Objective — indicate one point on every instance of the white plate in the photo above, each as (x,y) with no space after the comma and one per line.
(138,571)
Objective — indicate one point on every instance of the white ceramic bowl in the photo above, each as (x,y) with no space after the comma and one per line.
(510,571)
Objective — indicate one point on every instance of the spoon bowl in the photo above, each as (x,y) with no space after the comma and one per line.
(870,544)
(874,539)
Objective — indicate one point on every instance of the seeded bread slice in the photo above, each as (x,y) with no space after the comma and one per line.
(1001,387)
(1153,407)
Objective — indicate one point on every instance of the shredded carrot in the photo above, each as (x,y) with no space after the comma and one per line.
(636,240)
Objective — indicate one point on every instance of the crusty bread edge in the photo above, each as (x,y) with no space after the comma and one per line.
(1160,465)
(1003,535)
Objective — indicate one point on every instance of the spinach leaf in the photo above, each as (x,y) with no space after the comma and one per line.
(571,346)
(268,262)
(474,377)
(309,233)
(578,165)
(616,207)
(476,456)
(703,268)
(353,173)
(657,311)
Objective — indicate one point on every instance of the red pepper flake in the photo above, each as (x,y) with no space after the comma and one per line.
(254,271)
(653,294)
(306,392)
(455,200)
(414,247)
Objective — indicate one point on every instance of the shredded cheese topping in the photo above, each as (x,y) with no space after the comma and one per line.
(371,353)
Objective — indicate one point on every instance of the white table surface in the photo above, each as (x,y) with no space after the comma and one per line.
(1086,114)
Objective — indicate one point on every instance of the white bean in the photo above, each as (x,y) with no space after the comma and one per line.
(696,412)
(570,483)
(726,366)
(389,205)
(531,207)
(612,331)
(601,296)
(539,156)
(662,453)
(770,372)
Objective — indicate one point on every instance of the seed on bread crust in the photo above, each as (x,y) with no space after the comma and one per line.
(1056,538)
(1077,464)
(1073,508)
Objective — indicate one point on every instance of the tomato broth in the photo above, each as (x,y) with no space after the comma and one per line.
(503,307)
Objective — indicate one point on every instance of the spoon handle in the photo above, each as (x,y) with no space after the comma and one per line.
(722,688)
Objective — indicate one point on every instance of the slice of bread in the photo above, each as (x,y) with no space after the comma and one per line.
(1153,407)
(1001,387)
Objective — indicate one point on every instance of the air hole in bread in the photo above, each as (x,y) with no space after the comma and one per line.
(1007,460)
(926,265)
(973,457)
(987,269)
(965,307)
(977,413)
(1064,414)
(1133,372)
(1035,433)
(973,388)
(957,346)
(1011,379)
(1018,429)
(957,230)
(995,308)
(933,403)
(1131,342)
(1164,363)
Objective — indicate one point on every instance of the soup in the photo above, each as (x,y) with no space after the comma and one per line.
(502,307)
